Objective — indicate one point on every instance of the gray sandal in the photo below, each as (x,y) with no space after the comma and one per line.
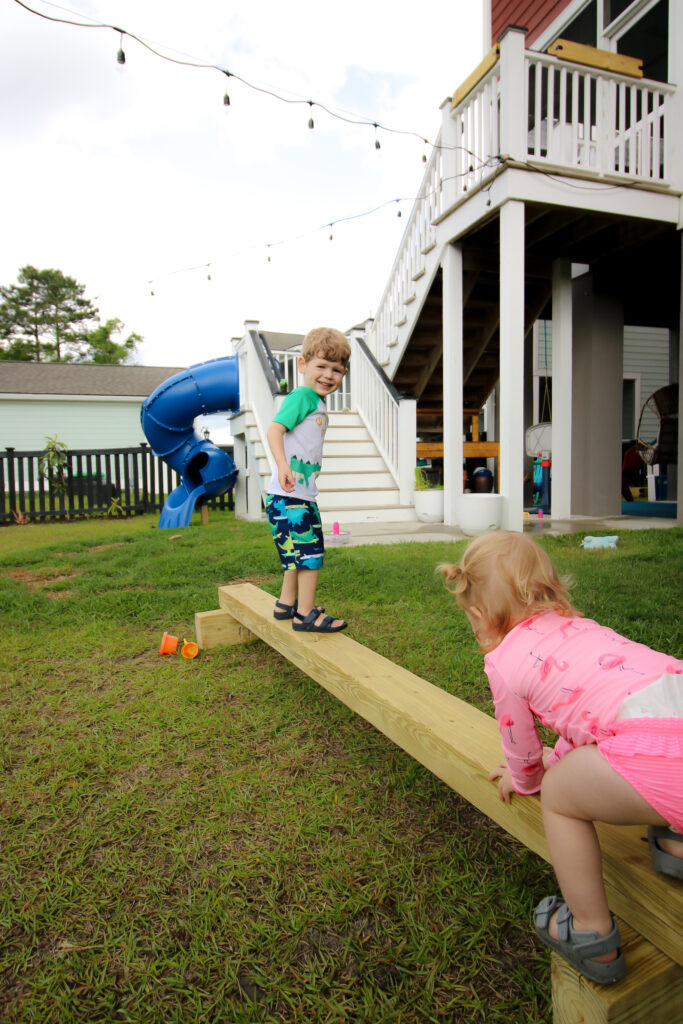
(579,947)
(662,861)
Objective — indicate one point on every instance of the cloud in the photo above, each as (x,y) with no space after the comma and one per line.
(122,176)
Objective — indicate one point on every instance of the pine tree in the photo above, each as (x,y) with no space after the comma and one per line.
(44,318)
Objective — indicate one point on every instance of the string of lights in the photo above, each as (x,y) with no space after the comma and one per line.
(187,62)
(495,161)
(475,164)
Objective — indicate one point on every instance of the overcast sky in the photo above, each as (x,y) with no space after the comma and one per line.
(124,176)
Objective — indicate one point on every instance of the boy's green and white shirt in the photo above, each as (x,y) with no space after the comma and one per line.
(304,414)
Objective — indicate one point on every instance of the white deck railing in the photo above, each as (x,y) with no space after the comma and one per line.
(419,238)
(587,119)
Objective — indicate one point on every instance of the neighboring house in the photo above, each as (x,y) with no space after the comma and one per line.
(553,196)
(88,406)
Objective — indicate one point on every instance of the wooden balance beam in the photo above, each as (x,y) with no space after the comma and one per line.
(460,745)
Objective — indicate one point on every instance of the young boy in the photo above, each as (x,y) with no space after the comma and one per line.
(296,438)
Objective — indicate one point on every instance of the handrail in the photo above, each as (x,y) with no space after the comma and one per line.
(267,361)
(378,370)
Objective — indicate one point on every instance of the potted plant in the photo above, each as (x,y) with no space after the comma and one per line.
(428,497)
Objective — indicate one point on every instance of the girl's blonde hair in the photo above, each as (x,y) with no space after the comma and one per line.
(509,578)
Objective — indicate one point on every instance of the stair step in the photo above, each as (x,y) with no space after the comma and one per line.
(329,480)
(337,448)
(346,433)
(361,514)
(379,498)
(354,463)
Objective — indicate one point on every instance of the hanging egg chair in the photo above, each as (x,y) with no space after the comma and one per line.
(664,405)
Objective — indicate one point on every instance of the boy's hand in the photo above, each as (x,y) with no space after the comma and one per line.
(286,479)
(505,787)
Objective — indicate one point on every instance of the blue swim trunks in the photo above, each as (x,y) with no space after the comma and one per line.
(297,531)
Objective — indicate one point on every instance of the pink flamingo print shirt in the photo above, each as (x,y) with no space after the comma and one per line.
(572,675)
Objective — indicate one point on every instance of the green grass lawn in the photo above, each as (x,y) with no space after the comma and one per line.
(220,840)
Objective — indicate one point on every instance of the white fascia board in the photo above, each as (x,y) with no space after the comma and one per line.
(22,397)
(552,188)
(555,190)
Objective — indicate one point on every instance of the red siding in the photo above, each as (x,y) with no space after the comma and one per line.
(535,15)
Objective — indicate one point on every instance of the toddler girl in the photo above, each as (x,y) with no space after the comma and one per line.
(617,707)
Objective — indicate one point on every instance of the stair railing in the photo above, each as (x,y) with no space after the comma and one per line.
(390,418)
(419,238)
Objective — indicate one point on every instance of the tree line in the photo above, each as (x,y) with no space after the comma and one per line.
(45,318)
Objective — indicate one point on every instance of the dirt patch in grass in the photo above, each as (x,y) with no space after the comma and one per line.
(36,579)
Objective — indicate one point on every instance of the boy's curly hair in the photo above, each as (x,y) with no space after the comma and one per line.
(326,343)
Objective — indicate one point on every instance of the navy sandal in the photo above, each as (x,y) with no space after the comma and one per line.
(578,948)
(308,623)
(662,861)
(288,610)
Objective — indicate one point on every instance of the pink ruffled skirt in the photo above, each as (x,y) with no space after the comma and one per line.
(648,753)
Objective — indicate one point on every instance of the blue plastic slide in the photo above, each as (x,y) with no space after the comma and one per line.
(167,419)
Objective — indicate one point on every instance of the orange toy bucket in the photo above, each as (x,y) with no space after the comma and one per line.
(189,649)
(169,644)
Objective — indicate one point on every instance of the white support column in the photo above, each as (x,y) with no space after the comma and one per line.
(254,510)
(512,364)
(561,490)
(240,453)
(452,379)
(407,431)
(673,140)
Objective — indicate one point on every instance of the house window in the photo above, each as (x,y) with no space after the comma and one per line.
(613,8)
(629,407)
(583,28)
(648,39)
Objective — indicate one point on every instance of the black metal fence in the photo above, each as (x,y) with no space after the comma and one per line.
(114,481)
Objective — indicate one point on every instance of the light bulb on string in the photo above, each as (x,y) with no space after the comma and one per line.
(120,56)
(268,248)
(226,98)
(331,233)
(377,145)
(398,203)
(311,122)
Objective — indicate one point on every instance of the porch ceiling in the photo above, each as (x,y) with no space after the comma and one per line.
(635,260)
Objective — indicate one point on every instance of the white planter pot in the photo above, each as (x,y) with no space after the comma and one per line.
(478,513)
(429,506)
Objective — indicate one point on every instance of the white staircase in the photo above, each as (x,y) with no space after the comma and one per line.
(355,484)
